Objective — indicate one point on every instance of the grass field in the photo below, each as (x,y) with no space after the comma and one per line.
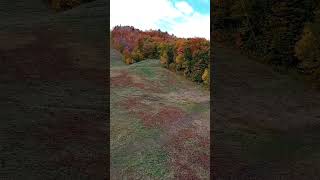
(159,123)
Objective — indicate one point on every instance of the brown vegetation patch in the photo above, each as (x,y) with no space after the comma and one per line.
(202,159)
(123,79)
(139,85)
(134,104)
(183,171)
(164,118)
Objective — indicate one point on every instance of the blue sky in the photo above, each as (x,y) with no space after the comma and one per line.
(201,6)
(183,18)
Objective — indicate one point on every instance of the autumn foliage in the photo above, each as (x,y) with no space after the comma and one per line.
(189,56)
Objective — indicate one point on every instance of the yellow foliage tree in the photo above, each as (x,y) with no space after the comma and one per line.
(179,59)
(137,55)
(206,76)
(164,59)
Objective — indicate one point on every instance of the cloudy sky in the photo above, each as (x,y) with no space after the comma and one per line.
(183,18)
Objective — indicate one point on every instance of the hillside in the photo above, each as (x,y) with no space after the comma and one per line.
(160,123)
(266,124)
(53,99)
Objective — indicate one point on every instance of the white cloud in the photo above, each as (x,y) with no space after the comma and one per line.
(196,25)
(184,7)
(147,14)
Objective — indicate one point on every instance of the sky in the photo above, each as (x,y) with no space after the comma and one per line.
(183,18)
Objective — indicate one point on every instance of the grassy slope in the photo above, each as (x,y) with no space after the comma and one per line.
(266,123)
(159,123)
(52,83)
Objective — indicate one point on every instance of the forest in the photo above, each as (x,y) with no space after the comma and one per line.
(282,33)
(187,56)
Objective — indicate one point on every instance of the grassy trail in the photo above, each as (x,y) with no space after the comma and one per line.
(159,123)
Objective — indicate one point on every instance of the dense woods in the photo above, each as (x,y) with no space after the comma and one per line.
(284,33)
(188,56)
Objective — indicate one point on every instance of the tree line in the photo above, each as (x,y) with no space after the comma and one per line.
(190,56)
(285,33)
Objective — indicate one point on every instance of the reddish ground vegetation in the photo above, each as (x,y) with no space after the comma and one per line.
(202,159)
(163,118)
(134,104)
(123,80)
(126,81)
(185,158)
(184,172)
